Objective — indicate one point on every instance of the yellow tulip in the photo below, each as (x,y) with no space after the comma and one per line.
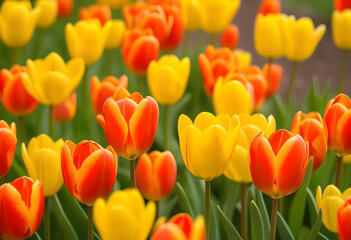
(244,58)
(347,159)
(268,35)
(51,81)
(191,14)
(227,93)
(86,39)
(207,144)
(330,202)
(48,13)
(301,38)
(17,22)
(114,37)
(43,162)
(341,29)
(217,14)
(114,4)
(238,169)
(124,216)
(167,78)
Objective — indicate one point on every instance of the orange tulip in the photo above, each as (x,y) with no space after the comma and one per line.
(100,91)
(89,170)
(156,174)
(99,11)
(230,37)
(278,164)
(215,63)
(139,48)
(342,4)
(8,144)
(337,123)
(310,127)
(273,74)
(130,123)
(269,6)
(344,220)
(22,205)
(13,94)
(64,8)
(65,111)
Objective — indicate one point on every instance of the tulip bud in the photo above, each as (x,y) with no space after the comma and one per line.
(341,27)
(341,5)
(273,74)
(230,37)
(115,35)
(192,14)
(65,8)
(269,6)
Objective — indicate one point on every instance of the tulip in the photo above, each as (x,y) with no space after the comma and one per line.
(64,8)
(17,22)
(114,4)
(230,37)
(14,97)
(192,13)
(124,216)
(156,174)
(181,227)
(217,14)
(175,71)
(100,11)
(8,144)
(100,91)
(86,39)
(273,74)
(22,204)
(65,111)
(215,63)
(229,91)
(243,58)
(137,43)
(310,127)
(48,13)
(344,217)
(43,162)
(341,28)
(269,6)
(115,35)
(331,200)
(341,5)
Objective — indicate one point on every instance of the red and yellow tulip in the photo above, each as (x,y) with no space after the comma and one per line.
(8,144)
(65,111)
(344,220)
(230,37)
(100,11)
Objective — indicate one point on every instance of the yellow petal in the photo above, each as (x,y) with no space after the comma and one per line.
(331,191)
(238,168)
(330,207)
(28,163)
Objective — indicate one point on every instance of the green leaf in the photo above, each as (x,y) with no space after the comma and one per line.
(231,231)
(229,197)
(312,206)
(320,236)
(256,222)
(264,213)
(283,228)
(317,226)
(184,200)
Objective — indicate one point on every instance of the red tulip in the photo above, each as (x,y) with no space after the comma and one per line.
(99,11)
(269,6)
(8,144)
(89,170)
(22,205)
(64,8)
(273,74)
(230,37)
(340,5)
(344,220)
(65,111)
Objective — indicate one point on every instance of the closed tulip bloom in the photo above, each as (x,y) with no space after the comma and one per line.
(341,5)
(344,220)
(11,87)
(43,162)
(124,216)
(51,81)
(100,11)
(100,91)
(215,63)
(341,29)
(310,127)
(65,111)
(86,39)
(229,91)
(238,169)
(243,58)
(217,14)
(330,200)
(137,43)
(279,163)
(8,141)
(192,14)
(130,123)
(269,6)
(22,205)
(302,38)
(230,37)
(156,174)
(114,4)
(89,170)
(273,74)
(207,144)
(269,36)
(115,35)
(337,122)
(65,8)
(17,22)
(168,92)
(48,13)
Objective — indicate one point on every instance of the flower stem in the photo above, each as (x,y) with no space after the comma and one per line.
(132,173)
(166,127)
(273,219)
(208,208)
(342,72)
(13,56)
(157,209)
(109,62)
(90,223)
(85,92)
(243,210)
(47,218)
(40,41)
(291,83)
(141,84)
(21,126)
(185,43)
(338,170)
(51,123)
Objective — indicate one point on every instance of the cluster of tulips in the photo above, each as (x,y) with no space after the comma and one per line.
(236,141)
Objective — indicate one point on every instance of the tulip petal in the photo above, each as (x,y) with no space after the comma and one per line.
(330,207)
(69,171)
(147,219)
(36,208)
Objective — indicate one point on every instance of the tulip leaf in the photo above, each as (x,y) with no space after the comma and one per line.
(312,206)
(229,228)
(320,236)
(298,205)
(229,197)
(283,228)
(264,213)
(282,119)
(317,226)
(256,222)
(184,200)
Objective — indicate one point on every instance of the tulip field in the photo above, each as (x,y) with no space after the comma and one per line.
(135,120)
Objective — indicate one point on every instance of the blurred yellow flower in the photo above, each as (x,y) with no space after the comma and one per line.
(341,28)
(114,4)
(114,36)
(244,58)
(48,13)
(191,14)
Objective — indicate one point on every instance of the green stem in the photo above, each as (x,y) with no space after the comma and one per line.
(51,123)
(338,170)
(208,208)
(47,218)
(243,210)
(281,206)
(63,130)
(13,56)
(141,84)
(157,210)
(132,173)
(185,43)
(109,62)
(291,83)
(342,72)
(40,41)
(90,223)
(212,39)
(274,219)
(166,127)
(85,91)
(21,126)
